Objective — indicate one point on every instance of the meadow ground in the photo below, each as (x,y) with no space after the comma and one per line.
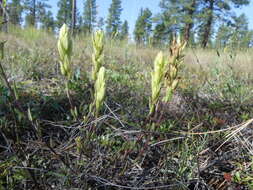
(204,137)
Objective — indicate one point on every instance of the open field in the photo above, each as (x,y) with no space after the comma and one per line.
(203,136)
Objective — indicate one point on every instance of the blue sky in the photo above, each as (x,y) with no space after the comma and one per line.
(131,9)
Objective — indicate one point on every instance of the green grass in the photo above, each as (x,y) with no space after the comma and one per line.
(215,93)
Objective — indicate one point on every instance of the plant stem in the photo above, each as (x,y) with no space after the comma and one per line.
(7,83)
(68,95)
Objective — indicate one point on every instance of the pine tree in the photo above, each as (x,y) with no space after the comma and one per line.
(212,9)
(47,21)
(3,16)
(241,33)
(15,12)
(79,22)
(172,13)
(190,9)
(35,10)
(168,21)
(235,33)
(223,35)
(73,16)
(247,40)
(64,14)
(179,16)
(160,33)
(89,15)
(30,6)
(1,13)
(113,20)
(101,23)
(124,30)
(143,27)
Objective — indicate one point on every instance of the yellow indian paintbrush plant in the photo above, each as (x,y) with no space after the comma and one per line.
(156,81)
(172,68)
(65,51)
(98,53)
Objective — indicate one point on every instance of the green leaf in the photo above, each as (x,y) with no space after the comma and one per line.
(29,114)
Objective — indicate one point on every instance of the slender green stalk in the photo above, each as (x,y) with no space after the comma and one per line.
(99,90)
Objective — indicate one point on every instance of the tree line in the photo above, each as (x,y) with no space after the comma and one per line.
(205,23)
(37,13)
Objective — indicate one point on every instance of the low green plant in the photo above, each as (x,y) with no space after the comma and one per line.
(244,174)
(11,176)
